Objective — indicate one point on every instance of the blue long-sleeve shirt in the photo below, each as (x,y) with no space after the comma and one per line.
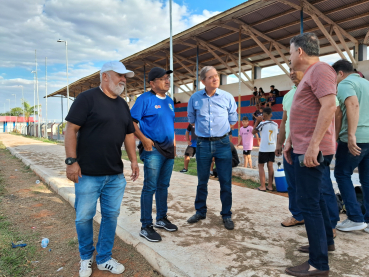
(212,115)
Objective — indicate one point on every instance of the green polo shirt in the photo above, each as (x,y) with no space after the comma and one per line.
(355,85)
(287,103)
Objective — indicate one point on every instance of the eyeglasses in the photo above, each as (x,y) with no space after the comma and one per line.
(163,79)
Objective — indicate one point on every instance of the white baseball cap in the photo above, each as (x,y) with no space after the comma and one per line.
(117,67)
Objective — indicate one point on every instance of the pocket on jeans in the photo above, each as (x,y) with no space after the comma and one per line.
(225,141)
(121,176)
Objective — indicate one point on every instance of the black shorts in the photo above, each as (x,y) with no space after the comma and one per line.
(265,157)
(247,152)
(190,151)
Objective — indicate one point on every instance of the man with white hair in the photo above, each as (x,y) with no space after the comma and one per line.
(103,122)
(213,111)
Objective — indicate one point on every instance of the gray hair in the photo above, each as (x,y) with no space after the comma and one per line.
(101,73)
(205,70)
(308,42)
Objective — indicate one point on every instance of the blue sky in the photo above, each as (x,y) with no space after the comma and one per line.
(94,36)
(96,31)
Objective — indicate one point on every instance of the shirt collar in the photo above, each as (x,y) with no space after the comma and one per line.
(217,92)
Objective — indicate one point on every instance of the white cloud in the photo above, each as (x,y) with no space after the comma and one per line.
(96,31)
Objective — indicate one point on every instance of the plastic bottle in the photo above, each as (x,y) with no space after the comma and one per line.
(44,242)
(280,179)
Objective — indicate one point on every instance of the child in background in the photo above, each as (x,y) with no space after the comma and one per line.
(247,139)
(268,132)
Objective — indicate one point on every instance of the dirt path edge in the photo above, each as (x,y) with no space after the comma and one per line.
(158,262)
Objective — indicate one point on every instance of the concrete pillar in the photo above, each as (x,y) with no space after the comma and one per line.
(256,72)
(362,52)
(223,79)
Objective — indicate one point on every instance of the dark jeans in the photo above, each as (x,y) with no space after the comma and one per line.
(310,200)
(157,173)
(205,152)
(327,190)
(290,178)
(345,165)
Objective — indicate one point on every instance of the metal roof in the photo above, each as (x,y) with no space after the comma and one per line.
(264,27)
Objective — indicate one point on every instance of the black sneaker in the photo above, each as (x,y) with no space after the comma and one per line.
(166,224)
(228,223)
(184,170)
(150,234)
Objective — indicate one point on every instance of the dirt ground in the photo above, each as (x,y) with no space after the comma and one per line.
(36,211)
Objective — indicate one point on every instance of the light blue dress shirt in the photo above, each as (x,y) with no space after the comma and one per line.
(212,115)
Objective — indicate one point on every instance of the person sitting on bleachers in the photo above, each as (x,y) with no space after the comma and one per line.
(254,98)
(262,97)
(274,91)
(271,100)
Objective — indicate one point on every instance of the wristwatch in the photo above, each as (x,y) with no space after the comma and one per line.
(70,161)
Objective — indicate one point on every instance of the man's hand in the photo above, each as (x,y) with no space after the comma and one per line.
(352,146)
(259,119)
(311,156)
(135,171)
(189,143)
(73,171)
(148,144)
(287,151)
(278,150)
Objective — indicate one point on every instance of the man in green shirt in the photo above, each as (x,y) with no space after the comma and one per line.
(353,144)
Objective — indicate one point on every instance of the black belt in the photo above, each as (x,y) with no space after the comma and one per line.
(213,138)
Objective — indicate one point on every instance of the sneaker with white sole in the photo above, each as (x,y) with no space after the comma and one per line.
(85,269)
(367,229)
(150,234)
(166,224)
(112,265)
(347,225)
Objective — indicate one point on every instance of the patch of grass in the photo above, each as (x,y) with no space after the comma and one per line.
(53,141)
(2,186)
(125,156)
(15,261)
(246,183)
(73,242)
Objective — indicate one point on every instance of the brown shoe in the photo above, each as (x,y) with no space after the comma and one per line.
(305,248)
(291,221)
(334,233)
(303,270)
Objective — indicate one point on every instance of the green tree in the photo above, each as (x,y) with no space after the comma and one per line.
(18,111)
(28,109)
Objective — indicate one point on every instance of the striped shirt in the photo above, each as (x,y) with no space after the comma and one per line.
(319,80)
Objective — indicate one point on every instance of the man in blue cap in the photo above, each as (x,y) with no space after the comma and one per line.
(154,112)
(94,163)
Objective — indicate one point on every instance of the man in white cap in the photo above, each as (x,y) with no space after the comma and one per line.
(103,122)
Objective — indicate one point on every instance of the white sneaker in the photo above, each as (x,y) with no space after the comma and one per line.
(86,267)
(366,229)
(112,265)
(348,225)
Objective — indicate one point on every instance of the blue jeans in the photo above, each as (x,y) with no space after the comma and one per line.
(290,178)
(110,190)
(345,165)
(327,190)
(310,200)
(205,151)
(157,173)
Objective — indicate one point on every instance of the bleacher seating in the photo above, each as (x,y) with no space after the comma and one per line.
(181,120)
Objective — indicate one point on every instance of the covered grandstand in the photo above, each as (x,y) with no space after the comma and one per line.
(247,38)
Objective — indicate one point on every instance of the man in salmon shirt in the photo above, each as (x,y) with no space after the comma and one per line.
(311,131)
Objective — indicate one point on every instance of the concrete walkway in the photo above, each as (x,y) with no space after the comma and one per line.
(258,246)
